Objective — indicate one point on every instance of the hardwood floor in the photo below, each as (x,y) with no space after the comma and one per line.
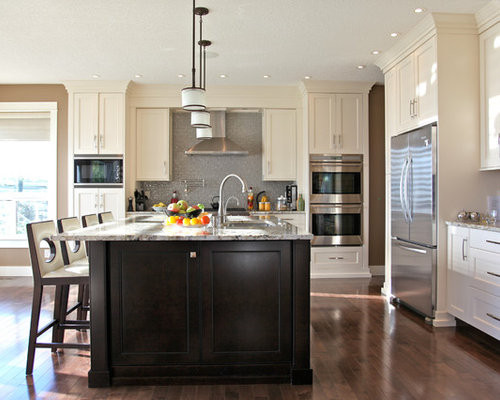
(362,348)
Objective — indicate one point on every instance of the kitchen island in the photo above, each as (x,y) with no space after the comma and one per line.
(200,305)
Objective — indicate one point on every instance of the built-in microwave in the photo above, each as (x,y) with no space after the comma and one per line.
(336,178)
(98,171)
(337,224)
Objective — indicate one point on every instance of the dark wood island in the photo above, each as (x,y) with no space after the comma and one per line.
(221,305)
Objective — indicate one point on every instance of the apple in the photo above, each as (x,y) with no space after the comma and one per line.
(182,204)
(201,206)
(173,207)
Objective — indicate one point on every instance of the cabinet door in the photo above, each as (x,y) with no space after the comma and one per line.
(111,123)
(154,303)
(246,301)
(279,142)
(85,201)
(112,200)
(322,137)
(458,274)
(406,93)
(349,123)
(426,73)
(490,98)
(85,123)
(391,103)
(153,144)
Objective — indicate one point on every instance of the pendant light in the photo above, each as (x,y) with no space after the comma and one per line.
(193,97)
(201,119)
(204,133)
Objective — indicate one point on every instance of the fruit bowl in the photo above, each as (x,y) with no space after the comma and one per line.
(194,214)
(159,209)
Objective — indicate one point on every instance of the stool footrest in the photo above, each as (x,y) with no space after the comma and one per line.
(83,346)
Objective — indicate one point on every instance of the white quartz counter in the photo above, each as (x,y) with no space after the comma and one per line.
(475,225)
(151,227)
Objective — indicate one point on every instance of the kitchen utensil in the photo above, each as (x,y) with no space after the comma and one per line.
(291,197)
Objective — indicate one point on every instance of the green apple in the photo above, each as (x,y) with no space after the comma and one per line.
(182,204)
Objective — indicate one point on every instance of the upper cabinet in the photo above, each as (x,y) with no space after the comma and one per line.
(279,142)
(489,42)
(98,123)
(153,144)
(414,81)
(336,123)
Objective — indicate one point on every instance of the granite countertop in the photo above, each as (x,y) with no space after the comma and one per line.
(229,212)
(476,225)
(151,227)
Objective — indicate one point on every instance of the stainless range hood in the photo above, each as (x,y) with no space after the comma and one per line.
(219,144)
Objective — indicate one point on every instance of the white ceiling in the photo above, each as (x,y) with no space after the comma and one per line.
(55,40)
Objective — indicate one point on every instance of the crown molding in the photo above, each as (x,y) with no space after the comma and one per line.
(431,25)
(488,16)
(312,86)
(96,86)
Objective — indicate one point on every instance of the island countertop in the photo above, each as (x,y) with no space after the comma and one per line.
(151,228)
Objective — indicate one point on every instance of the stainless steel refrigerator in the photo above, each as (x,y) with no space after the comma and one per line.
(413,219)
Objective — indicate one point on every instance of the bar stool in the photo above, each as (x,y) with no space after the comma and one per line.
(50,270)
(89,220)
(106,216)
(75,254)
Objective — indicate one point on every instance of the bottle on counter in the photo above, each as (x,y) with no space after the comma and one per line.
(250,199)
(174,198)
(301,204)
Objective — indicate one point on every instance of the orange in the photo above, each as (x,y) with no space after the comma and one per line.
(205,220)
(195,221)
(186,221)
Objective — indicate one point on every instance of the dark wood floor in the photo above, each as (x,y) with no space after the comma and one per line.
(362,348)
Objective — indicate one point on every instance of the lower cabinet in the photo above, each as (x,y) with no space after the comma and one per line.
(94,200)
(473,278)
(200,303)
(338,262)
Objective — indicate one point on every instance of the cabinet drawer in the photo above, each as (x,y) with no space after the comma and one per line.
(328,262)
(485,240)
(486,271)
(485,312)
(344,256)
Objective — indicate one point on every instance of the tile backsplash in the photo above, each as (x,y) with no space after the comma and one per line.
(244,129)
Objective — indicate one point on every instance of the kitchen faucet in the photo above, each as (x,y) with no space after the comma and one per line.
(222,210)
(228,200)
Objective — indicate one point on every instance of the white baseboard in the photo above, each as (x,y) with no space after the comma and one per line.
(325,275)
(386,289)
(377,270)
(15,271)
(443,319)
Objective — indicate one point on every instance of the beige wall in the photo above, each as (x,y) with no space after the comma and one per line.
(17,257)
(376,129)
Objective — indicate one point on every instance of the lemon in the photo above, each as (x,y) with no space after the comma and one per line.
(186,221)
(171,220)
(195,221)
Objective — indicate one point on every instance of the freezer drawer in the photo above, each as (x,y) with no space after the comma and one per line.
(413,276)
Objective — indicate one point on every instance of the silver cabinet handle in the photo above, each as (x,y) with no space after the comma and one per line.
(101,141)
(464,257)
(268,166)
(413,249)
(492,273)
(492,242)
(340,143)
(95,142)
(164,168)
(415,104)
(492,316)
(411,108)
(335,258)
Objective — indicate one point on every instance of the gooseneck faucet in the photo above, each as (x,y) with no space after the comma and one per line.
(244,189)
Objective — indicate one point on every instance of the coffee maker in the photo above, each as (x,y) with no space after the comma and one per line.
(291,197)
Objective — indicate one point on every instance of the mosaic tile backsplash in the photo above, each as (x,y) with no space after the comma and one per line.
(244,129)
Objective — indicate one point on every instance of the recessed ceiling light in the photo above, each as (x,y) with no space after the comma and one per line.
(419,10)
(361,66)
(307,77)
(223,76)
(267,76)
(96,76)
(375,52)
(138,75)
(180,75)
(394,34)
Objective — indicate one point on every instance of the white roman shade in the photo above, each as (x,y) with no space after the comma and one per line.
(30,126)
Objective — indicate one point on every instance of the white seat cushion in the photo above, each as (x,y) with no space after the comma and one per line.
(75,269)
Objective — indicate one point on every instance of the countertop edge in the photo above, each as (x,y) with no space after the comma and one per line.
(475,225)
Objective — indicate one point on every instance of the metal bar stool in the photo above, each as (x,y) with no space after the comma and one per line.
(74,253)
(50,270)
(106,216)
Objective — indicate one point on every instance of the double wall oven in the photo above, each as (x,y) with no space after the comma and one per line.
(336,199)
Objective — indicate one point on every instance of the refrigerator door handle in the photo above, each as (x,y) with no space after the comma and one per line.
(414,250)
(401,191)
(409,202)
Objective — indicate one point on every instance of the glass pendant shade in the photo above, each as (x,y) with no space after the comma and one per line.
(200,119)
(193,99)
(203,133)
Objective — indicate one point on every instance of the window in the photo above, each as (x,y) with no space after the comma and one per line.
(28,168)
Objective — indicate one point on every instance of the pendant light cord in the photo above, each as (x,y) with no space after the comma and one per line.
(193,69)
(200,43)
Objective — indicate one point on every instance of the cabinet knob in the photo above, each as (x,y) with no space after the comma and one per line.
(192,254)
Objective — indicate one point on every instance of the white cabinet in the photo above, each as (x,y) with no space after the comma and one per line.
(391,105)
(153,144)
(94,200)
(279,143)
(338,262)
(98,123)
(336,123)
(473,278)
(489,47)
(415,81)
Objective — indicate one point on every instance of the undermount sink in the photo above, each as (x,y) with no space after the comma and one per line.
(246,224)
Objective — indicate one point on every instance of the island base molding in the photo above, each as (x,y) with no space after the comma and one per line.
(175,312)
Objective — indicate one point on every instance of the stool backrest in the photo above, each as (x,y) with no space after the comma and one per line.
(89,220)
(42,264)
(78,252)
(106,216)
